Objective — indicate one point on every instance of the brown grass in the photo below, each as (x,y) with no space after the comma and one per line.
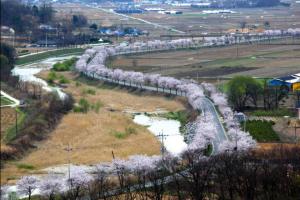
(91,135)
(270,146)
(7,119)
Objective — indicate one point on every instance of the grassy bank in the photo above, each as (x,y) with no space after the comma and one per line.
(5,101)
(44,55)
(65,65)
(182,116)
(281,112)
(11,132)
(262,131)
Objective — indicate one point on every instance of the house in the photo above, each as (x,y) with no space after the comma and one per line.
(289,83)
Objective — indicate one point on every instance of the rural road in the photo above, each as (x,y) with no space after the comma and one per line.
(141,20)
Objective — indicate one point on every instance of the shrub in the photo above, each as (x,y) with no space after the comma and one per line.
(89,91)
(97,106)
(77,84)
(25,166)
(77,109)
(60,67)
(181,116)
(130,130)
(64,66)
(121,135)
(51,77)
(84,104)
(63,80)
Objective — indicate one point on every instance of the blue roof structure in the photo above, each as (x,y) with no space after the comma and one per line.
(285,80)
(277,82)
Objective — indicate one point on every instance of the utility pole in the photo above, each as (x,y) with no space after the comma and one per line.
(296,127)
(46,40)
(16,117)
(69,149)
(235,148)
(162,136)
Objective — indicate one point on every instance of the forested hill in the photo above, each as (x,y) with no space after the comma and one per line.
(24,17)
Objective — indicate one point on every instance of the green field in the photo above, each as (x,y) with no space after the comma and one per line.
(41,56)
(262,131)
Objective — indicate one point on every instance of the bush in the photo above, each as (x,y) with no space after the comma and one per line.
(121,135)
(65,65)
(25,166)
(51,77)
(60,67)
(181,116)
(89,91)
(77,109)
(97,106)
(63,80)
(77,84)
(84,104)
(262,131)
(130,130)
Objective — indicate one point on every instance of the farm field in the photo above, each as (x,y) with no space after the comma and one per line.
(191,21)
(52,53)
(261,60)
(94,135)
(103,18)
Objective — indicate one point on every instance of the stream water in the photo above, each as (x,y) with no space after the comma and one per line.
(172,139)
(28,73)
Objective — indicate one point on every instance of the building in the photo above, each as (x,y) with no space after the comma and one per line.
(290,83)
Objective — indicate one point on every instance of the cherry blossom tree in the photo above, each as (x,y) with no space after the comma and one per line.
(50,185)
(78,181)
(102,171)
(27,185)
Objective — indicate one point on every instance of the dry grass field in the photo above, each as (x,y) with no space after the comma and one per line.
(7,120)
(256,60)
(92,135)
(268,146)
